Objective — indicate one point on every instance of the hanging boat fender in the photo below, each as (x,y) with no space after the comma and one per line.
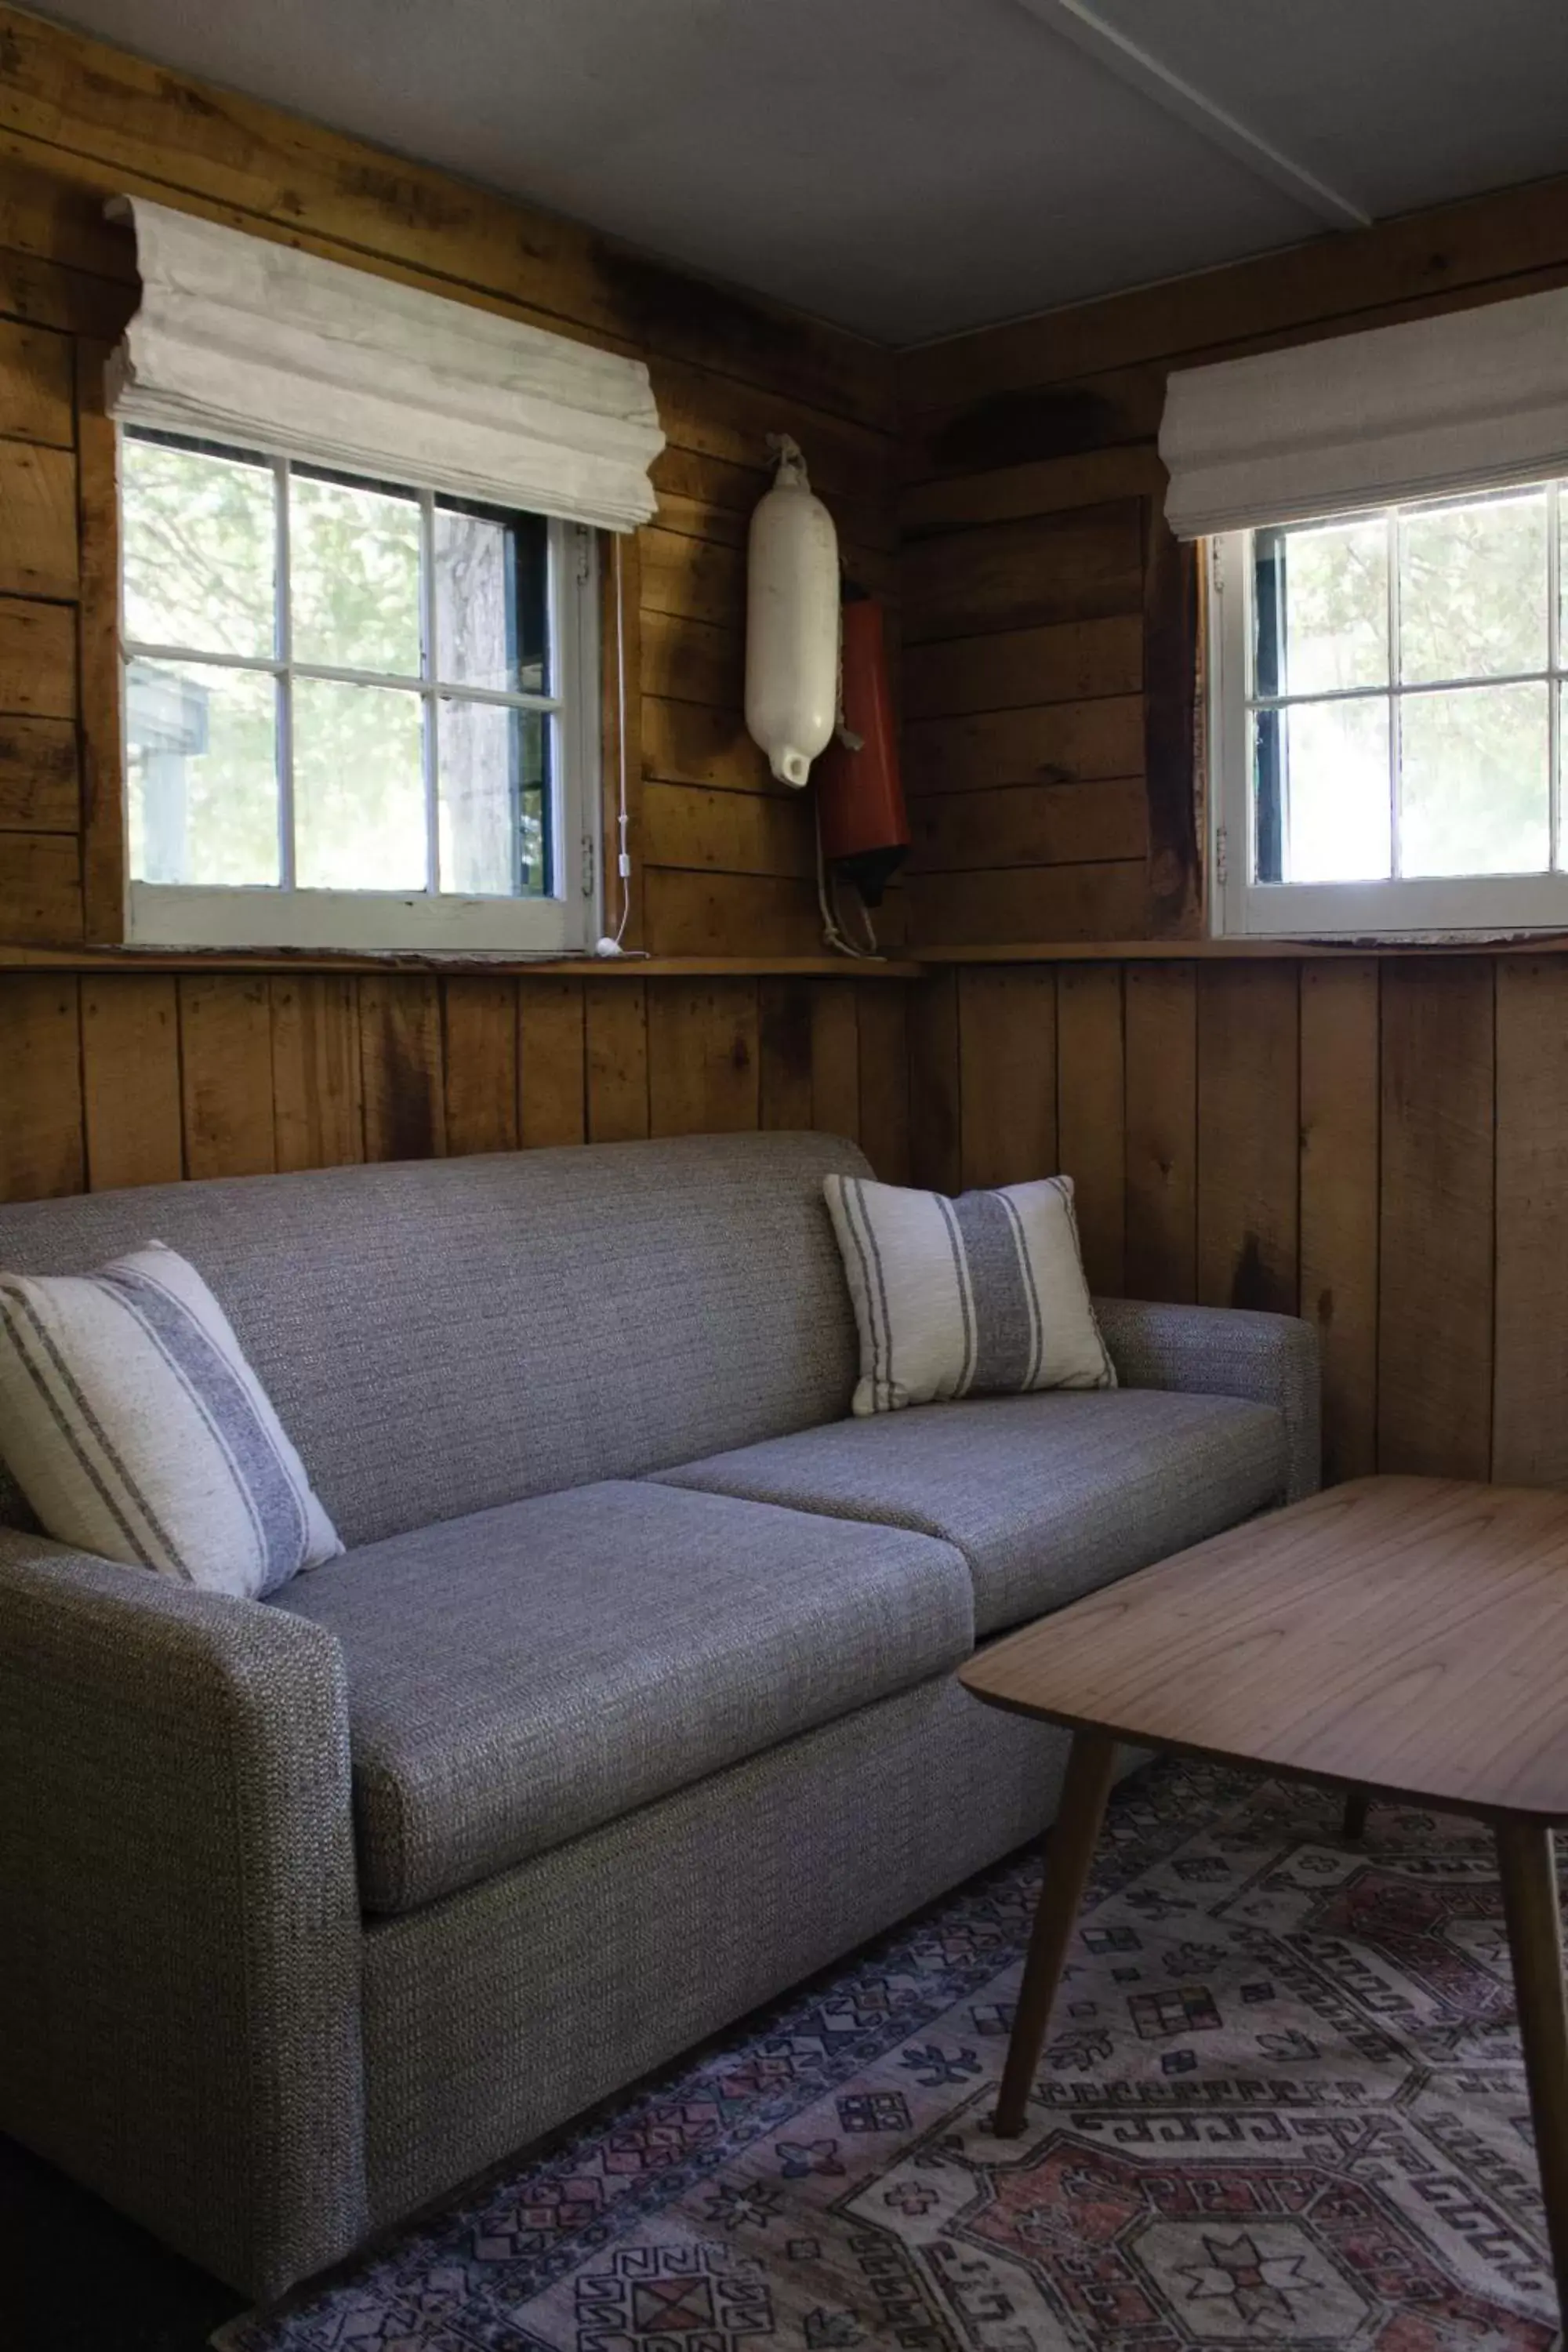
(792,620)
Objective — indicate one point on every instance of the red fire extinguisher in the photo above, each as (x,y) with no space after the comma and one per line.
(861,801)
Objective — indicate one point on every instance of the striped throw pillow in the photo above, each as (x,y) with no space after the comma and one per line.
(136,1429)
(980,1296)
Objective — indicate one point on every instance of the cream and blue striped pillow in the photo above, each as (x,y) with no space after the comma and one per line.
(984,1294)
(136,1429)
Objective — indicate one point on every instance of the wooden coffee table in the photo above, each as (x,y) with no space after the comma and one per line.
(1402,1635)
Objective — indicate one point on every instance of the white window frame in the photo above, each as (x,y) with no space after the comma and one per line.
(1425,907)
(564,921)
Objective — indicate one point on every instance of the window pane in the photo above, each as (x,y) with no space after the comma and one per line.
(1321,607)
(1473,781)
(494,795)
(491,599)
(353,561)
(1472,587)
(200,536)
(202,774)
(1332,788)
(359,787)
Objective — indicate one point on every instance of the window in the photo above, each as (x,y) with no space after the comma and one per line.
(356,715)
(1388,717)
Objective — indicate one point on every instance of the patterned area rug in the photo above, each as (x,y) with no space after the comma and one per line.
(1282,2104)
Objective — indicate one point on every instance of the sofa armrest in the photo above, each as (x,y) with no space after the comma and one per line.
(1225,1351)
(180,1960)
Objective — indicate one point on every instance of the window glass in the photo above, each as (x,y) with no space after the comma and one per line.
(1474,778)
(202,773)
(199,532)
(1402,671)
(359,787)
(334,685)
(494,797)
(353,569)
(1472,589)
(491,615)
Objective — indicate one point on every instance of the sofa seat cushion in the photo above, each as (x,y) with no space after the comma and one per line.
(1045,1496)
(522,1675)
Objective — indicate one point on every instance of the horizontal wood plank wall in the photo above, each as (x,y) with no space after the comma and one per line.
(1379,1145)
(1049,618)
(725,858)
(124,1079)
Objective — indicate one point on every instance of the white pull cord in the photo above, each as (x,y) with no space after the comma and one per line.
(610,945)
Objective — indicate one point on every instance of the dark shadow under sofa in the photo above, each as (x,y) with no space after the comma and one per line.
(631,1704)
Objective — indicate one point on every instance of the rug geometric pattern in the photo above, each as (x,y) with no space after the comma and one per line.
(1282,2104)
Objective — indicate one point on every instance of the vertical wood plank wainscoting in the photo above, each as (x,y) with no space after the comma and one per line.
(110,1078)
(1380,1144)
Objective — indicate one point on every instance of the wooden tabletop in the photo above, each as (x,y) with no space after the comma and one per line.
(1410,1634)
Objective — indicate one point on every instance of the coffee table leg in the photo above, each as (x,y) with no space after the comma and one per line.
(1356,1815)
(1535,1945)
(1067,1858)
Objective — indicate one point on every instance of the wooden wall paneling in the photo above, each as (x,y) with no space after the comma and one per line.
(1340,1150)
(1028,825)
(697,743)
(225,1075)
(701,829)
(1170,716)
(1162,1130)
(1066,661)
(703,1057)
(1043,486)
(1530,1393)
(1435,1229)
(1007,1054)
(479,1057)
(401,1055)
(785,1047)
(713,913)
(40,889)
(1092,1146)
(318,1072)
(1248,1135)
(38,521)
(40,776)
(37,659)
(688,661)
(835,1057)
(552,1105)
(1014,906)
(42,1145)
(616,1017)
(936,1095)
(1044,421)
(98,665)
(884,1056)
(35,385)
(131,1079)
(1020,575)
(1058,742)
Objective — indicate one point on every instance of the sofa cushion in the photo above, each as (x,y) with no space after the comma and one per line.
(1047,1496)
(519,1677)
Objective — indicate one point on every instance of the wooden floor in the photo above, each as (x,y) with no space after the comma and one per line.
(76,2277)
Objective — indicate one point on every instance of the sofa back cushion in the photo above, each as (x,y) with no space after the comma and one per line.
(443,1336)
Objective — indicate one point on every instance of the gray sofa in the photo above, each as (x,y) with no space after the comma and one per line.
(631,1703)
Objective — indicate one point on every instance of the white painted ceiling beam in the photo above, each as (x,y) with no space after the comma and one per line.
(1075,22)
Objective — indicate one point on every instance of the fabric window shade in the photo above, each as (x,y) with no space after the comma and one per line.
(237,338)
(1471,401)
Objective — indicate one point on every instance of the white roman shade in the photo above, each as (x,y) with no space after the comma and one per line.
(1474,400)
(239,340)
